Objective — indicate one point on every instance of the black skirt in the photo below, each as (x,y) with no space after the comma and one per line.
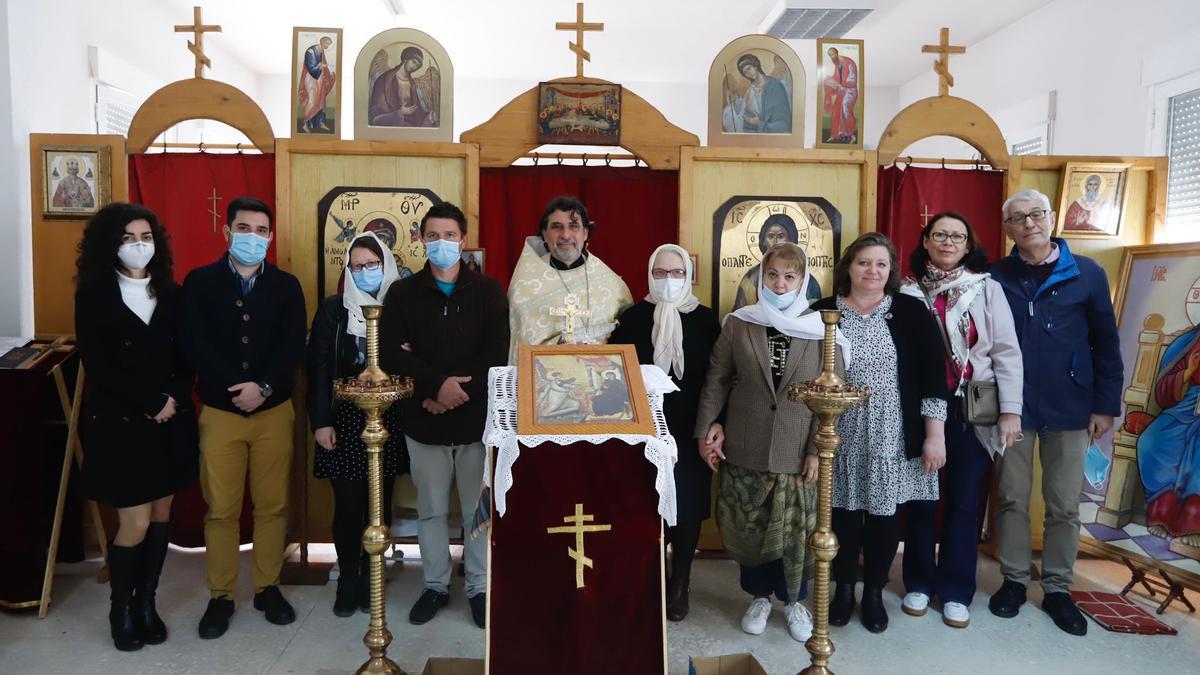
(349,459)
(128,461)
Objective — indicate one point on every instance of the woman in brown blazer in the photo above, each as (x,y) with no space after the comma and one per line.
(762,441)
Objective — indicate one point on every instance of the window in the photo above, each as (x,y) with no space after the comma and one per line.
(1032,146)
(1183,154)
(114,110)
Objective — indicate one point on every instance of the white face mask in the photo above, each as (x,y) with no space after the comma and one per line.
(135,256)
(669,289)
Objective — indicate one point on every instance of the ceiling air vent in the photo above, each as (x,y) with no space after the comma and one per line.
(789,20)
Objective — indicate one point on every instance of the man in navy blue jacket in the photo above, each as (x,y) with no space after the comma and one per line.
(1064,319)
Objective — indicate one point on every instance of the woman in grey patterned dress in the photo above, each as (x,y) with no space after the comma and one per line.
(893,445)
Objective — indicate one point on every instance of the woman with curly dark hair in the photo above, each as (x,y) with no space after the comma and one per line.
(138,424)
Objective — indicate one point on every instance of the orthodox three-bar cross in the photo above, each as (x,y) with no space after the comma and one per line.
(942,65)
(569,311)
(198,29)
(578,528)
(579,27)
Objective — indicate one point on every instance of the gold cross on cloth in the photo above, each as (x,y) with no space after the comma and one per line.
(198,29)
(569,311)
(578,528)
(579,27)
(926,215)
(213,209)
(942,65)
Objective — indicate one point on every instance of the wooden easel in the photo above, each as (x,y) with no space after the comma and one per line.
(1173,589)
(71,411)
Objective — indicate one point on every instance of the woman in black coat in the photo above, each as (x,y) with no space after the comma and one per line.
(336,349)
(671,329)
(139,426)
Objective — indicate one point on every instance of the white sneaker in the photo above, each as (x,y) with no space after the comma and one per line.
(956,615)
(754,621)
(799,622)
(915,604)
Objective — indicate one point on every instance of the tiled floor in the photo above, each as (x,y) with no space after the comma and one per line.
(74,638)
(1133,537)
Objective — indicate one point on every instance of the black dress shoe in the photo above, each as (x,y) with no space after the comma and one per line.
(1007,601)
(1066,615)
(479,609)
(272,603)
(842,605)
(215,621)
(427,606)
(874,616)
(677,598)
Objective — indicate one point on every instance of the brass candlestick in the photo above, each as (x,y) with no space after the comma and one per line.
(372,392)
(828,397)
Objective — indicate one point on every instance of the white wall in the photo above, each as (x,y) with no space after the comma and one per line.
(46,86)
(1101,56)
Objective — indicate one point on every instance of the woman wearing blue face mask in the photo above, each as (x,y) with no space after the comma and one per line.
(672,330)
(138,419)
(336,349)
(762,441)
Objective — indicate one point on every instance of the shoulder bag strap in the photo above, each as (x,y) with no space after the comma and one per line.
(942,330)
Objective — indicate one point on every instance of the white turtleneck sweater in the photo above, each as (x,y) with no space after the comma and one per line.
(136,295)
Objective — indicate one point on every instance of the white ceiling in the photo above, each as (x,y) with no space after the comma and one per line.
(643,40)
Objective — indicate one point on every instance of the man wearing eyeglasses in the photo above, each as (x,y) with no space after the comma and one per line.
(1064,319)
(445,326)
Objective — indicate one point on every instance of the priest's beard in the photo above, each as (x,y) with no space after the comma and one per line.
(566,251)
(1091,196)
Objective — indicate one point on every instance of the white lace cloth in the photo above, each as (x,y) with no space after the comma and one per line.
(501,432)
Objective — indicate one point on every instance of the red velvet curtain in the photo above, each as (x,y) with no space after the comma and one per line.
(180,188)
(635,211)
(907,196)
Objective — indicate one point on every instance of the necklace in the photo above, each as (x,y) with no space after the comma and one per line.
(587,285)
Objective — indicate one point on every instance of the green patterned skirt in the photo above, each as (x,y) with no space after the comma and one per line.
(766,516)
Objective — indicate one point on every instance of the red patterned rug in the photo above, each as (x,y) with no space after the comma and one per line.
(1118,614)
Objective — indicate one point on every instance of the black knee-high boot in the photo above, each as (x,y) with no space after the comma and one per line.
(124,569)
(154,554)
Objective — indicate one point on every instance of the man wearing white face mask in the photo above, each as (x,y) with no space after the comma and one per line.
(672,330)
(243,331)
(444,327)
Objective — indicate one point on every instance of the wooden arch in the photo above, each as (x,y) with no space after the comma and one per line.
(198,98)
(512,131)
(944,116)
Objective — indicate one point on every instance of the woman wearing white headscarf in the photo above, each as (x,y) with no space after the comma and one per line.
(337,348)
(763,442)
(672,330)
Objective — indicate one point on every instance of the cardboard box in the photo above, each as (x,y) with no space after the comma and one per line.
(453,666)
(729,664)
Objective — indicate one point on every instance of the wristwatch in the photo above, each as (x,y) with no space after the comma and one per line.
(265,389)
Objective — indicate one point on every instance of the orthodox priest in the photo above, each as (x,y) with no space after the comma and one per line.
(554,264)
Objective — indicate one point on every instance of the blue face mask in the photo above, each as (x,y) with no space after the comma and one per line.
(442,253)
(248,248)
(780,302)
(368,281)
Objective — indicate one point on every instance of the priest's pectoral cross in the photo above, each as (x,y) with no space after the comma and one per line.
(213,209)
(578,528)
(569,312)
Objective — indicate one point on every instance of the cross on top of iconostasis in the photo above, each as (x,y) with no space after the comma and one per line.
(942,65)
(198,29)
(579,27)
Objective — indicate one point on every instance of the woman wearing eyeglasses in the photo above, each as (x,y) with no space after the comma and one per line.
(949,274)
(672,330)
(337,348)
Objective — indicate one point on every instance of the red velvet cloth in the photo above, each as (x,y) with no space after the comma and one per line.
(539,621)
(636,210)
(906,194)
(178,187)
